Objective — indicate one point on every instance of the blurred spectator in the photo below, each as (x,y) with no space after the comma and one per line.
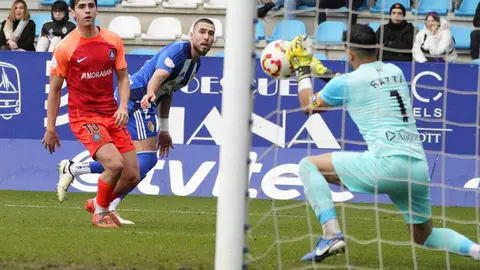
(288,6)
(397,34)
(323,4)
(56,29)
(435,42)
(17,32)
(475,36)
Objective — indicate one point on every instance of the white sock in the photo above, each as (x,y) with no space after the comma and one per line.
(330,229)
(79,168)
(475,252)
(98,208)
(114,204)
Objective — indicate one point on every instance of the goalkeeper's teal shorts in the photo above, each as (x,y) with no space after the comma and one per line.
(392,175)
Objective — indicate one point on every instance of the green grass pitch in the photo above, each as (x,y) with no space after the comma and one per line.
(38,232)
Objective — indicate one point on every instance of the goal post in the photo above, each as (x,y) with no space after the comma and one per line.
(238,70)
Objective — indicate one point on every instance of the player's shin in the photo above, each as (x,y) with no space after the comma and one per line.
(87,167)
(452,241)
(146,161)
(319,196)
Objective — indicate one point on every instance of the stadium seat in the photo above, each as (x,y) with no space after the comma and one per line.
(143,52)
(344,58)
(259,31)
(220,54)
(164,28)
(139,3)
(439,6)
(127,27)
(467,8)
(374,25)
(39,20)
(330,32)
(385,5)
(106,3)
(50,2)
(287,30)
(215,4)
(461,34)
(180,4)
(321,56)
(476,62)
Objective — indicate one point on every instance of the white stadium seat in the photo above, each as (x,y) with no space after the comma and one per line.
(215,4)
(164,28)
(127,27)
(139,3)
(179,4)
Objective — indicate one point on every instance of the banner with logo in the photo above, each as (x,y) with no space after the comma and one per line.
(448,122)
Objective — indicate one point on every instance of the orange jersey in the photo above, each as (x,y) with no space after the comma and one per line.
(88,65)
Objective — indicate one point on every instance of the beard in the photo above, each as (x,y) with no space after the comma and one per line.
(200,51)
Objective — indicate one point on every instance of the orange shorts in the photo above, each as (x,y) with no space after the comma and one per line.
(96,131)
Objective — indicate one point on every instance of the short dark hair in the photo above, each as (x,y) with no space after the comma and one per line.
(204,20)
(73,3)
(361,39)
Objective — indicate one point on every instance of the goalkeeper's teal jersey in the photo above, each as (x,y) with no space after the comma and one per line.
(377,98)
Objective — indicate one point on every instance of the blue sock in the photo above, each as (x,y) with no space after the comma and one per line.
(450,240)
(95,167)
(317,191)
(146,161)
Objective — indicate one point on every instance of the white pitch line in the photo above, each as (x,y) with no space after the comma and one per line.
(179,212)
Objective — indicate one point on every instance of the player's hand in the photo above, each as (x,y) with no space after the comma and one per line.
(164,142)
(121,116)
(300,53)
(147,99)
(50,140)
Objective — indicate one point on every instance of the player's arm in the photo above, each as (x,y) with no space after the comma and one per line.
(332,95)
(123,87)
(53,101)
(164,140)
(321,71)
(158,77)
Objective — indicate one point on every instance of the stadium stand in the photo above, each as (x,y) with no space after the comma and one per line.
(384,6)
(141,34)
(287,30)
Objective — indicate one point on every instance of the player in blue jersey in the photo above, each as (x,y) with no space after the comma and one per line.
(172,68)
(377,98)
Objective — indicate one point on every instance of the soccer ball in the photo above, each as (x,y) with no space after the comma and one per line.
(273,60)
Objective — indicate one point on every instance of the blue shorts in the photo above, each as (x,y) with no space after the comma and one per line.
(392,175)
(142,124)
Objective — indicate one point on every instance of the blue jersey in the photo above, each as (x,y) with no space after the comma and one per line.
(176,58)
(377,98)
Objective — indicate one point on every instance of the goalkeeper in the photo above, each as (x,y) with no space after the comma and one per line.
(377,97)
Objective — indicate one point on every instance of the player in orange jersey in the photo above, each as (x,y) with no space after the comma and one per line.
(86,59)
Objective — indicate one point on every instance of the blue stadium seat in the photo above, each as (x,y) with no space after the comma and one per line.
(321,56)
(288,30)
(106,3)
(50,2)
(39,20)
(385,5)
(420,26)
(220,54)
(440,6)
(476,61)
(330,32)
(143,52)
(259,31)
(374,25)
(344,58)
(467,8)
(461,34)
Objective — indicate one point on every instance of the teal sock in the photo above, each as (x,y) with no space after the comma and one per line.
(449,240)
(317,191)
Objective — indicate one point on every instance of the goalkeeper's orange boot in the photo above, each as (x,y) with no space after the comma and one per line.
(105,220)
(90,205)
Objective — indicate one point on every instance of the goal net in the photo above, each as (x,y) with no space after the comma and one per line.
(281,224)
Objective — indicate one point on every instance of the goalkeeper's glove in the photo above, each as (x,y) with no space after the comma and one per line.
(321,71)
(299,54)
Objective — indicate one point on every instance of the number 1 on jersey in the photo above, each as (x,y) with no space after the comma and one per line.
(403,111)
